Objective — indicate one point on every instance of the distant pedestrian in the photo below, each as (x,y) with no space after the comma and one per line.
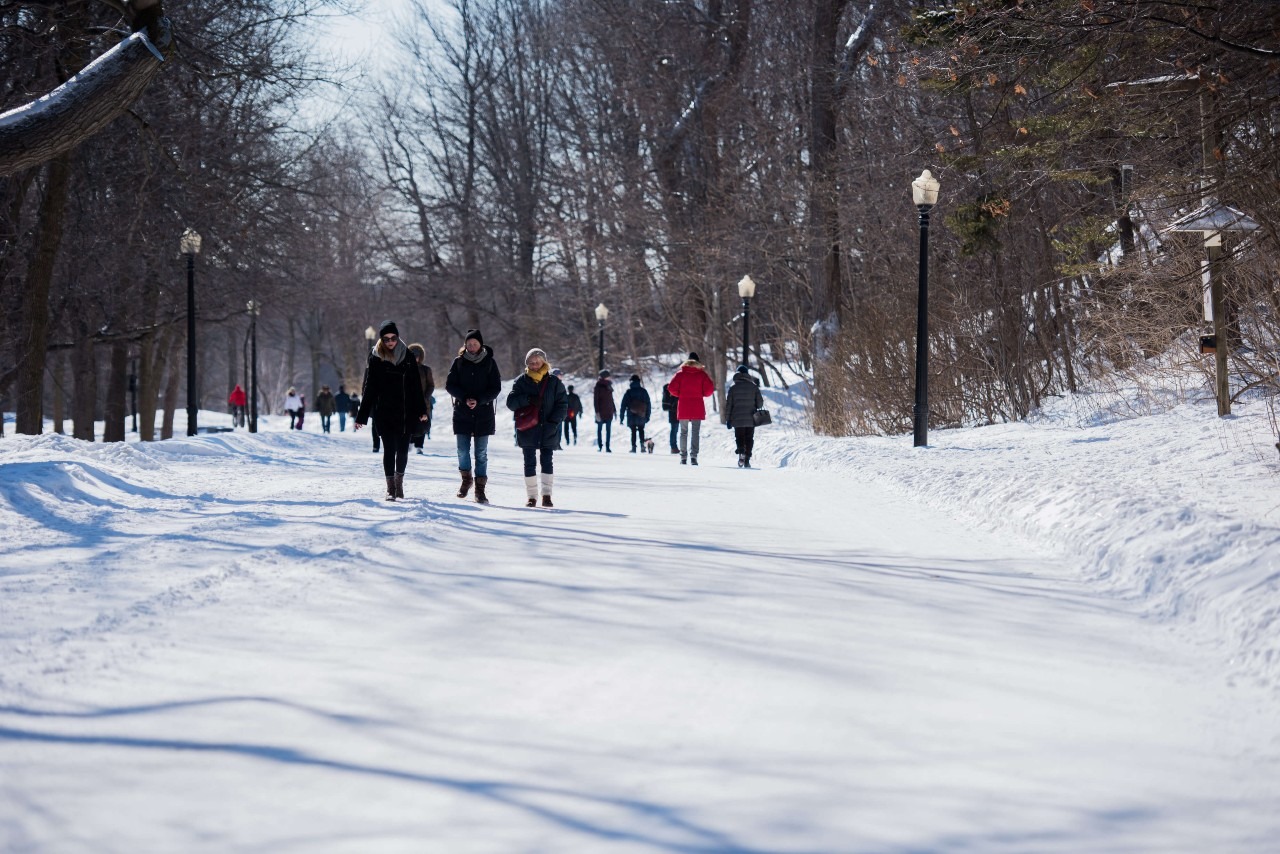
(538,388)
(636,408)
(428,382)
(342,401)
(690,385)
(474,383)
(237,400)
(669,406)
(740,413)
(373,424)
(293,405)
(571,419)
(326,405)
(605,410)
(393,395)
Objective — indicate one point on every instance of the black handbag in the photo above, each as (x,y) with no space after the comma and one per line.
(761,416)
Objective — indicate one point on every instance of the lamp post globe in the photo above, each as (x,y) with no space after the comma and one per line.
(746,290)
(602,314)
(189,245)
(924,192)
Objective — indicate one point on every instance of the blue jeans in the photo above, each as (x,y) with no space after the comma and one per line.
(342,422)
(482,454)
(604,428)
(675,429)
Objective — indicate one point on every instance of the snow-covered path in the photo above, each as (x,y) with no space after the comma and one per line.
(230,643)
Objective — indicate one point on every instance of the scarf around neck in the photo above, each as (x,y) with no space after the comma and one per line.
(540,375)
(477,358)
(396,356)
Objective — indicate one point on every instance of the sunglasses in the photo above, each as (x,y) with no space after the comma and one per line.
(389,338)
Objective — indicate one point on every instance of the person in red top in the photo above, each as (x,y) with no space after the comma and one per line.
(237,401)
(690,386)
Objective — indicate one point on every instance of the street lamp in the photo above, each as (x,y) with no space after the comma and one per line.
(924,192)
(189,245)
(746,290)
(601,314)
(254,310)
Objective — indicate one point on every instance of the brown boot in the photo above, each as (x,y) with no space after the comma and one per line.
(391,488)
(481,483)
(466,482)
(399,484)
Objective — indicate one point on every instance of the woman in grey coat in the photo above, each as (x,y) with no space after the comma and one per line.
(740,413)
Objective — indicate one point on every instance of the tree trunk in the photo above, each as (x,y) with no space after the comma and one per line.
(115,409)
(171,392)
(33,332)
(57,368)
(85,368)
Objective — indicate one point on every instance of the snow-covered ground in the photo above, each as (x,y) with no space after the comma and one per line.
(1051,636)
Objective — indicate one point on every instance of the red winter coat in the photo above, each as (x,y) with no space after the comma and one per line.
(237,397)
(690,385)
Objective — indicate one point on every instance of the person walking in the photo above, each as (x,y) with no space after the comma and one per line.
(428,383)
(690,385)
(669,406)
(237,399)
(636,408)
(293,406)
(571,419)
(474,383)
(342,401)
(393,396)
(740,413)
(605,410)
(538,396)
(364,392)
(326,405)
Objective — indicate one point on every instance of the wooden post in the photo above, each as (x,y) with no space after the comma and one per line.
(1222,387)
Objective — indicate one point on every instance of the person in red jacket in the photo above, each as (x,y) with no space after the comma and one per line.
(690,386)
(238,399)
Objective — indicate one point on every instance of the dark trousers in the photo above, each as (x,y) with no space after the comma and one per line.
(325,421)
(745,439)
(373,428)
(604,434)
(571,424)
(675,435)
(395,454)
(637,430)
(531,461)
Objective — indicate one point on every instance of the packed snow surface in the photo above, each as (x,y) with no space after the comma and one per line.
(1055,636)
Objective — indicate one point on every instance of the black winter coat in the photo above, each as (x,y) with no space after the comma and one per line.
(480,382)
(635,398)
(393,395)
(743,401)
(669,403)
(555,405)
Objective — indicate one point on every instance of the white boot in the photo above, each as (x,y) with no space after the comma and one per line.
(547,481)
(531,490)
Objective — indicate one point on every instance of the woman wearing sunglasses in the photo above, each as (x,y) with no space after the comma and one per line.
(393,396)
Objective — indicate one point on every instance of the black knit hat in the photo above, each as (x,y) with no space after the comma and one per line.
(388,327)
(635,378)
(473,333)
(742,369)
(693,357)
(604,374)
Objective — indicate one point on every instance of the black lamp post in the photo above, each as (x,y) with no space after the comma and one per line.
(924,192)
(254,310)
(601,314)
(133,394)
(189,245)
(746,290)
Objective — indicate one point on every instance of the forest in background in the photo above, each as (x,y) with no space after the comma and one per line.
(526,160)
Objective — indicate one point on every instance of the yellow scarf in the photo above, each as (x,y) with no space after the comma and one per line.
(539,376)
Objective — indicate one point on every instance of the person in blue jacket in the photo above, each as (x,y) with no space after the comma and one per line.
(635,411)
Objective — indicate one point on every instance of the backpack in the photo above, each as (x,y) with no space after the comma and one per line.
(636,407)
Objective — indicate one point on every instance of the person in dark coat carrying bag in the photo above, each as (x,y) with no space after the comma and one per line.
(636,410)
(540,403)
(474,384)
(740,413)
(393,396)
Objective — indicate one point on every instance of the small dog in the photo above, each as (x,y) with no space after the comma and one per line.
(648,446)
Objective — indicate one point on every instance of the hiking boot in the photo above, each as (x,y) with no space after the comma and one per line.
(466,482)
(546,501)
(398,482)
(532,502)
(391,488)
(481,483)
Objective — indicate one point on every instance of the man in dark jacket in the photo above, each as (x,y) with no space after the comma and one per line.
(474,383)
(605,410)
(740,413)
(343,402)
(571,419)
(669,402)
(393,395)
(636,410)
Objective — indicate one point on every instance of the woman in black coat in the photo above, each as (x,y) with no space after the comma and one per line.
(393,395)
(537,386)
(474,384)
(740,413)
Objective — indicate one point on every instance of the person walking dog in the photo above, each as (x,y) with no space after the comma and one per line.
(540,404)
(393,395)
